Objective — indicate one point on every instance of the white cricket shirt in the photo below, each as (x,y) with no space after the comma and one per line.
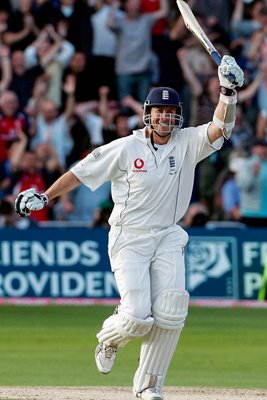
(147,192)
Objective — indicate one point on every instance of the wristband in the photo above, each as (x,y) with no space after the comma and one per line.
(226,91)
(45,198)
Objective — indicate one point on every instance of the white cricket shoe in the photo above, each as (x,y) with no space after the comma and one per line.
(150,394)
(105,357)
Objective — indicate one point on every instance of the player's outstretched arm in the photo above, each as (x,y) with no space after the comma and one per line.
(225,112)
(29,200)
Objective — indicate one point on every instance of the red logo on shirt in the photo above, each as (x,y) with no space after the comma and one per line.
(139,163)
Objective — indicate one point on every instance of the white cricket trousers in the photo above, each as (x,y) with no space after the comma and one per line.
(146,263)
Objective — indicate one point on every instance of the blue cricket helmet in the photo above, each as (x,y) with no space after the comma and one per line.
(163,96)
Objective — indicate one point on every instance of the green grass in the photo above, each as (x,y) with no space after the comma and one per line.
(54,346)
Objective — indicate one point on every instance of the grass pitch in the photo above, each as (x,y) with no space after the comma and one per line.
(54,346)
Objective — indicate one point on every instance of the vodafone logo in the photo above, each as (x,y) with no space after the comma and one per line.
(138,165)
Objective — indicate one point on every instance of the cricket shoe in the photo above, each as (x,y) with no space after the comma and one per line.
(105,357)
(150,394)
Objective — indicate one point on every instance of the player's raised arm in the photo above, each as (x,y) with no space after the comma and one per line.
(29,200)
(225,112)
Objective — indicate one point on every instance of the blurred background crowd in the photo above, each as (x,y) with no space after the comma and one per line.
(75,73)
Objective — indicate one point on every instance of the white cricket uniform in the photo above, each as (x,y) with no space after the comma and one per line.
(151,193)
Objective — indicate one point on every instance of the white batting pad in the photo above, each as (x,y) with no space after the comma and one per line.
(120,328)
(169,312)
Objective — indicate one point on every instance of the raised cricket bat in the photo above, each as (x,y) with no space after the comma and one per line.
(193,26)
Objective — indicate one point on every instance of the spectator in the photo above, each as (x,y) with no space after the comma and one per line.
(10,166)
(78,66)
(134,51)
(243,135)
(118,123)
(252,181)
(53,53)
(48,162)
(261,131)
(229,192)
(88,114)
(76,16)
(5,68)
(81,204)
(23,79)
(3,22)
(22,29)
(220,13)
(7,215)
(81,140)
(160,39)
(53,127)
(44,13)
(11,120)
(103,50)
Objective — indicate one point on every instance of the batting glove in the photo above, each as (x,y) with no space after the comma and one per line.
(228,67)
(28,201)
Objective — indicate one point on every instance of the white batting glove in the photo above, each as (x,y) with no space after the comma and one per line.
(28,201)
(228,67)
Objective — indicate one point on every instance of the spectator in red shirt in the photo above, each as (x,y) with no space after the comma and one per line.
(10,121)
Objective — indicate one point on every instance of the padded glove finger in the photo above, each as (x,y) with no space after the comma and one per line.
(228,67)
(37,202)
(28,201)
(22,200)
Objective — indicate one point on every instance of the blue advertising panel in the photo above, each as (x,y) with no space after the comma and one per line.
(73,263)
(56,263)
(226,263)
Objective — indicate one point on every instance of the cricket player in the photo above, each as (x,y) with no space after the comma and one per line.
(152,173)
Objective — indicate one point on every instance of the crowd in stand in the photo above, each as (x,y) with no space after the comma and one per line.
(75,73)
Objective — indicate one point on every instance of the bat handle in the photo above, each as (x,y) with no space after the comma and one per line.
(217,58)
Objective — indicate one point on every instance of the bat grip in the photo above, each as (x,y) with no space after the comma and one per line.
(217,58)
